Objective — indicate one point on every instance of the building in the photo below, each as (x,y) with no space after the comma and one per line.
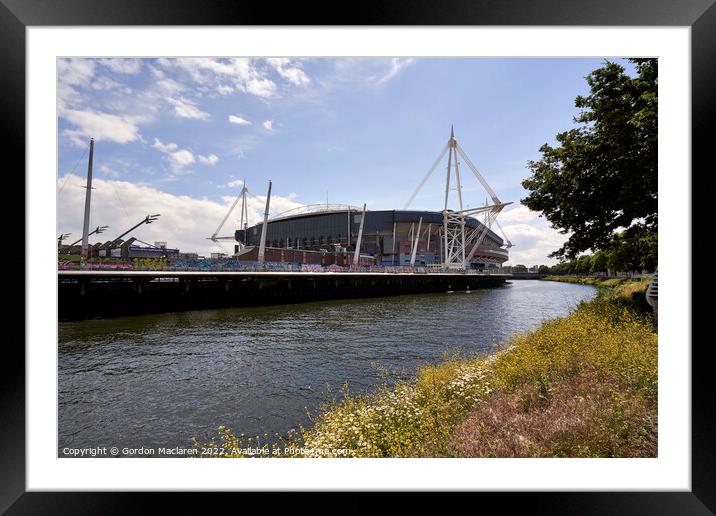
(124,249)
(127,249)
(388,235)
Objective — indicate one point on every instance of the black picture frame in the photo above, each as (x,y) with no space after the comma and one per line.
(700,15)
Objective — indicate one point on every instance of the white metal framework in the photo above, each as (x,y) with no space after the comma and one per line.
(415,243)
(356,254)
(88,199)
(509,244)
(244,218)
(460,246)
(262,244)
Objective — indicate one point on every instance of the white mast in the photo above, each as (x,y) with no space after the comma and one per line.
(243,223)
(88,197)
(415,245)
(392,262)
(356,254)
(262,245)
(455,243)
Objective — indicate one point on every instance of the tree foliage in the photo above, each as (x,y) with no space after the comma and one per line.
(599,262)
(602,175)
(632,250)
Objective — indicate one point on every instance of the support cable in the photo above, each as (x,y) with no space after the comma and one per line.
(236,201)
(67,175)
(509,244)
(478,175)
(425,178)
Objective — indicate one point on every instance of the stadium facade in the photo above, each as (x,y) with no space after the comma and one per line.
(388,235)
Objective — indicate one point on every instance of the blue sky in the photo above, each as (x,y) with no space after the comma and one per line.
(177,135)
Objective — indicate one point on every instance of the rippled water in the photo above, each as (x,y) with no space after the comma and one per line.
(159,380)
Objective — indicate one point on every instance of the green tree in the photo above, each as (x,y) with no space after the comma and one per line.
(562,268)
(599,262)
(623,254)
(602,175)
(633,249)
(583,264)
(544,269)
(648,251)
(519,268)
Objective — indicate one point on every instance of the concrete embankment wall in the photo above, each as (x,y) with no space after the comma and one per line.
(85,294)
(526,275)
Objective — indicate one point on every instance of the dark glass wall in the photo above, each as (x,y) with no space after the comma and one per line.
(324,230)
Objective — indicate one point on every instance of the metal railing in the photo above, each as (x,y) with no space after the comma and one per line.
(230,265)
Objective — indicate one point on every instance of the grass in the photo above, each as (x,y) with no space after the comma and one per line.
(595,281)
(584,385)
(586,415)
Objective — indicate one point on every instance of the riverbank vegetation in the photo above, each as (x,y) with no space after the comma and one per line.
(627,290)
(584,385)
(624,253)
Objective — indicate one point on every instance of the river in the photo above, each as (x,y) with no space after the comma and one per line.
(159,380)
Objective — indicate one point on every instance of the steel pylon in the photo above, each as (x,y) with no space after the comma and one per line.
(460,246)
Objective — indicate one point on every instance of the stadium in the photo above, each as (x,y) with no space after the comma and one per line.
(311,234)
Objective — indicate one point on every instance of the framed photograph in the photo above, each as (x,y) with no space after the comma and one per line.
(241,163)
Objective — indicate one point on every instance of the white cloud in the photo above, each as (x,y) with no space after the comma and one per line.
(268,125)
(223,89)
(185,222)
(164,147)
(101,126)
(106,170)
(292,73)
(122,65)
(371,72)
(211,159)
(104,83)
(517,214)
(184,108)
(168,85)
(396,65)
(203,70)
(178,158)
(234,119)
(260,87)
(235,183)
(533,238)
(70,74)
(121,109)
(75,71)
(181,158)
(244,73)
